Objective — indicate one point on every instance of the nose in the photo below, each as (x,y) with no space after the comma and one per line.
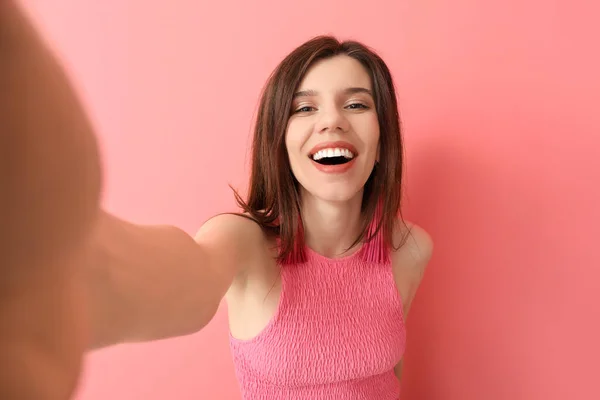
(332,120)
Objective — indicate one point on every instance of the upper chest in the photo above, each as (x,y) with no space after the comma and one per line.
(342,316)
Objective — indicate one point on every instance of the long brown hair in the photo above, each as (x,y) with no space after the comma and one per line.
(273,199)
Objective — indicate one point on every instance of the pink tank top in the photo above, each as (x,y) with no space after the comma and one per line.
(337,334)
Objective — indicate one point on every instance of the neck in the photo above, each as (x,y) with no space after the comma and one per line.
(330,228)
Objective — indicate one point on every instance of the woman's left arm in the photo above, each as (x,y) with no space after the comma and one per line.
(409,263)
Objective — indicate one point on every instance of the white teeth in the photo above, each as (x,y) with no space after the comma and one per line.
(336,152)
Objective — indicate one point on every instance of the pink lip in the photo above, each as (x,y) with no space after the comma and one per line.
(333,145)
(334,169)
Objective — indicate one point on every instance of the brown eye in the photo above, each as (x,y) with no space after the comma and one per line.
(305,109)
(357,106)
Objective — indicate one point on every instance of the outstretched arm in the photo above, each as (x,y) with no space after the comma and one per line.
(50,190)
(155,282)
(73,276)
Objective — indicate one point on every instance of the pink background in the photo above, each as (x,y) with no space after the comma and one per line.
(500,109)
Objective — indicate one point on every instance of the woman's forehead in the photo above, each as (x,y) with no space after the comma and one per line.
(335,74)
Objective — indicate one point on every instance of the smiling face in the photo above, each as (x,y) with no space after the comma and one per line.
(332,137)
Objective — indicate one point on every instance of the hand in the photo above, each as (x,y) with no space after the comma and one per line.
(51,183)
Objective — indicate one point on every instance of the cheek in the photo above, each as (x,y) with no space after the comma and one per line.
(366,126)
(377,145)
(294,142)
(293,153)
(371,140)
(374,138)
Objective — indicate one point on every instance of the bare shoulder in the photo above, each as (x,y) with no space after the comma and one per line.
(231,226)
(414,249)
(234,241)
(414,242)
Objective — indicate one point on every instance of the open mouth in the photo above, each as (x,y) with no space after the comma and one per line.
(335,156)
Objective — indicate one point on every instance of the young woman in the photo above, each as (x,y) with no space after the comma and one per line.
(318,270)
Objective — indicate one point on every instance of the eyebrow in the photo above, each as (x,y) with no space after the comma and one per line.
(350,90)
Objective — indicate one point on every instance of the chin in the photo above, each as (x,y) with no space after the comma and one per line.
(333,193)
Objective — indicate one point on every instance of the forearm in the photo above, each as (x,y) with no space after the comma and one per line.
(148,283)
(42,337)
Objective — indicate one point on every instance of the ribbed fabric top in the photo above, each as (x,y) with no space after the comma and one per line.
(337,334)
